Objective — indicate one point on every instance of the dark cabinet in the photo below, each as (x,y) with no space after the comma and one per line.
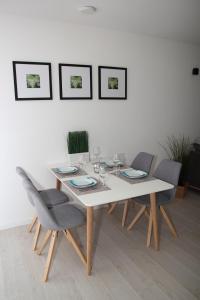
(194,169)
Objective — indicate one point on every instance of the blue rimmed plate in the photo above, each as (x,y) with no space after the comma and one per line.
(67,170)
(134,174)
(112,164)
(83,182)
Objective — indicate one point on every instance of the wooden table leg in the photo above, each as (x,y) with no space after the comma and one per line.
(58,184)
(90,213)
(154,220)
(125,212)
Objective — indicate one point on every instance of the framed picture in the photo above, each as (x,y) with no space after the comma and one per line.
(75,81)
(32,80)
(112,83)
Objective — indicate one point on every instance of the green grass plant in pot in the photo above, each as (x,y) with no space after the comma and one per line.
(78,145)
(178,148)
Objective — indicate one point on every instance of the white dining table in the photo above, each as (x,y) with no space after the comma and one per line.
(119,190)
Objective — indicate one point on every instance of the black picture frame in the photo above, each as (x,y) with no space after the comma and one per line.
(17,78)
(90,89)
(100,68)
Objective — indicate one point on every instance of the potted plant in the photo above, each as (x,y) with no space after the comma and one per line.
(78,147)
(178,149)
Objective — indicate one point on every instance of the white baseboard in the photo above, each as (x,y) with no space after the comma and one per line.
(15,224)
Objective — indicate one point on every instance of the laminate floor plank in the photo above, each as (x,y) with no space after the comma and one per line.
(150,266)
(124,268)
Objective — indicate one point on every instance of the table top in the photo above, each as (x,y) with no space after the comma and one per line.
(119,189)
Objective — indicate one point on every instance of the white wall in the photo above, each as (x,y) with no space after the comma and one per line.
(163,99)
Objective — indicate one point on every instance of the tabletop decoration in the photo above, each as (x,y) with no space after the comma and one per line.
(99,187)
(59,175)
(83,182)
(96,167)
(78,147)
(133,180)
(67,170)
(134,174)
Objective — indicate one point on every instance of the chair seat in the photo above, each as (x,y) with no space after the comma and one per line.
(67,216)
(53,197)
(162,199)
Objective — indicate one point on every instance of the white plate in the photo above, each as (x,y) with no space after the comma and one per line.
(83,182)
(66,170)
(111,164)
(132,173)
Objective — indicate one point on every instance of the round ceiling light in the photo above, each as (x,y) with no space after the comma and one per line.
(88,10)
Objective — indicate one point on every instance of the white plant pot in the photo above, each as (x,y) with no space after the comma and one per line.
(76,157)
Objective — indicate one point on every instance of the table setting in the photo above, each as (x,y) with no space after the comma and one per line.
(69,171)
(133,176)
(86,185)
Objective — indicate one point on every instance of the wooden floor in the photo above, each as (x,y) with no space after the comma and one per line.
(123,267)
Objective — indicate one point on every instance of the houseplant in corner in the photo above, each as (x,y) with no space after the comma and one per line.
(78,146)
(178,149)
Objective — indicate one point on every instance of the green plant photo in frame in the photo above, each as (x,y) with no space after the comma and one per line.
(76,82)
(33,80)
(113,83)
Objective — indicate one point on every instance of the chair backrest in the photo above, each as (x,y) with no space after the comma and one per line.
(27,183)
(143,161)
(169,171)
(44,214)
(21,172)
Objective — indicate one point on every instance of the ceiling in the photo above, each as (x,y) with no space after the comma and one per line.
(173,19)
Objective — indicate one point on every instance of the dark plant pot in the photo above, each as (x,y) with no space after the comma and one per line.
(181,191)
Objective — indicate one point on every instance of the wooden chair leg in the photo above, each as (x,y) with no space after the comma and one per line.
(137,217)
(169,222)
(58,184)
(44,242)
(36,236)
(149,230)
(112,207)
(68,234)
(125,212)
(146,213)
(49,257)
(30,227)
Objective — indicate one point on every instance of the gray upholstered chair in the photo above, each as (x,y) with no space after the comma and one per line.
(168,171)
(60,218)
(51,197)
(143,162)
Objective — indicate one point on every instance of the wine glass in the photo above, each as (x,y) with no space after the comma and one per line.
(81,161)
(102,174)
(116,162)
(97,152)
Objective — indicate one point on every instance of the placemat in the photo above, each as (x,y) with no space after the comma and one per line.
(113,168)
(95,189)
(132,180)
(80,172)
